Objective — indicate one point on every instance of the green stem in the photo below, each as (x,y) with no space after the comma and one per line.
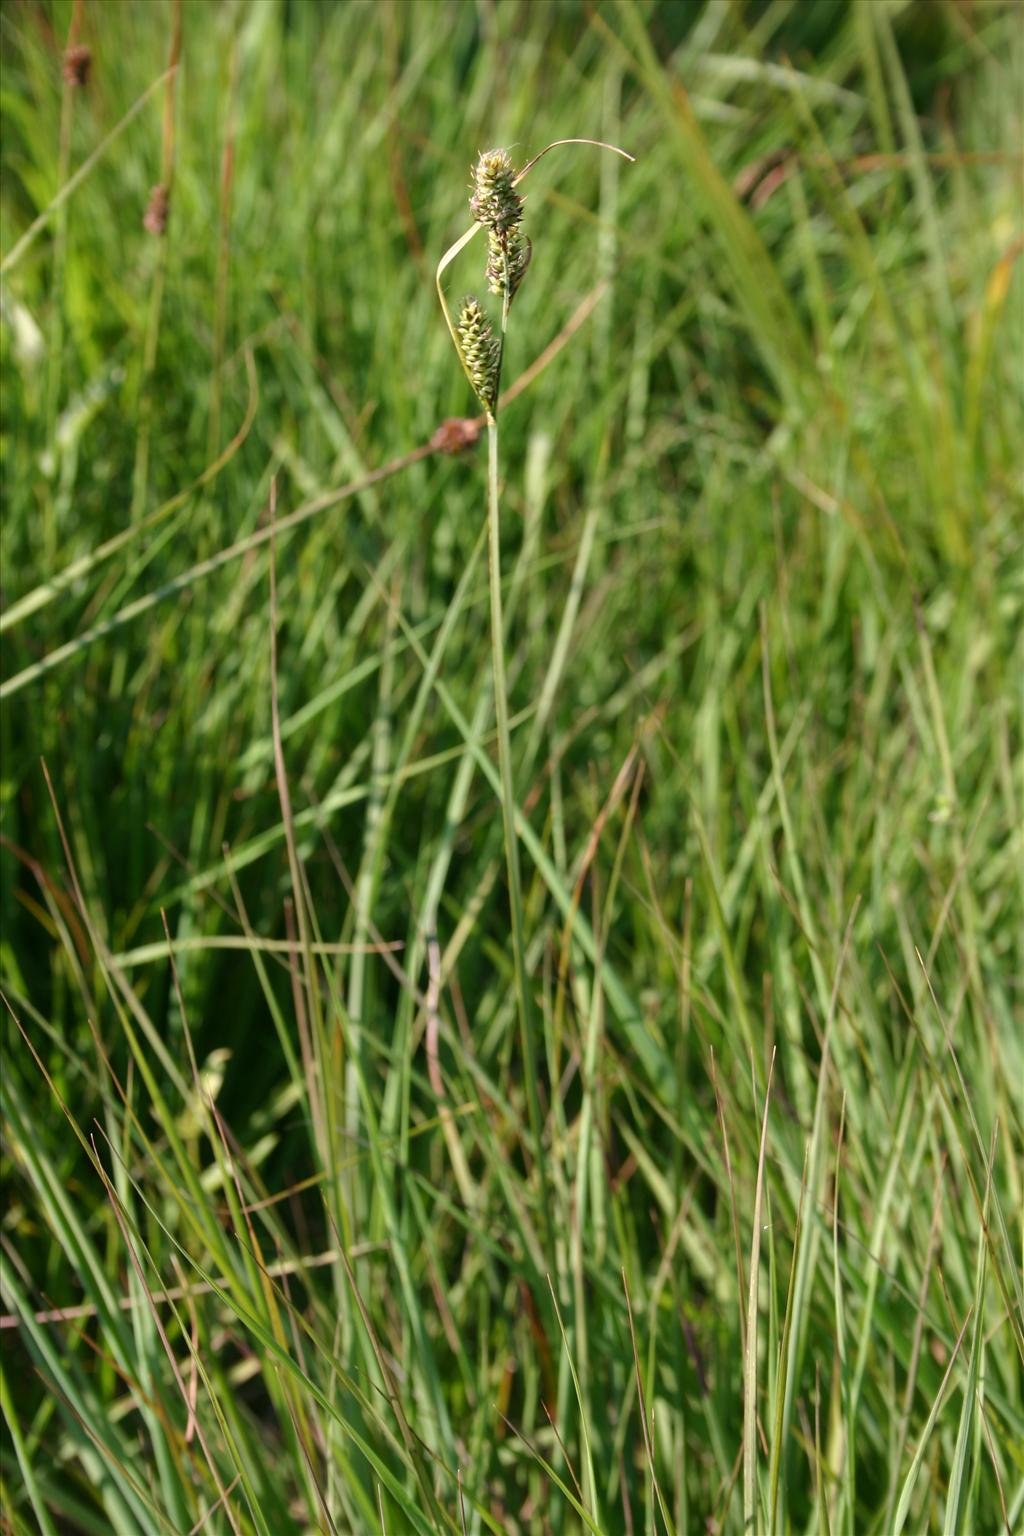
(508,821)
(56,341)
(158,276)
(59,252)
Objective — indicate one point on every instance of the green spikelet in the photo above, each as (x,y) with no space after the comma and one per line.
(498,207)
(520,249)
(495,201)
(481,351)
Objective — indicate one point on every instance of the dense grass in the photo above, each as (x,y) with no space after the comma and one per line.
(763,599)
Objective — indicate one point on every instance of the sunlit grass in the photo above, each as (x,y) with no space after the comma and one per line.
(283,1246)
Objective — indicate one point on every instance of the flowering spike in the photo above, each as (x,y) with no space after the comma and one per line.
(495,202)
(481,351)
(498,207)
(519,249)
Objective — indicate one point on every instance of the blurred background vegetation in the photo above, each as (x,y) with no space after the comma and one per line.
(763,565)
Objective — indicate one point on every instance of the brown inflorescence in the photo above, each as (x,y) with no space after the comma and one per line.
(456,434)
(77,64)
(155,220)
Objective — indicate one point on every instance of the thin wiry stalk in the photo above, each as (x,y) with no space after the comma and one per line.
(523,1000)
(73,80)
(751,1522)
(56,346)
(227,178)
(156,222)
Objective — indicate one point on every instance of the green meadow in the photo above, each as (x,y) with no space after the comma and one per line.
(512,1024)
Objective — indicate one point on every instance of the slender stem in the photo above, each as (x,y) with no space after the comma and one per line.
(227,177)
(508,820)
(140,473)
(59,250)
(56,346)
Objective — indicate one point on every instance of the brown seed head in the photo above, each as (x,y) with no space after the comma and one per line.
(155,220)
(77,64)
(455,434)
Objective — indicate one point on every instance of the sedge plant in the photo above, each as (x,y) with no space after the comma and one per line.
(497,208)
